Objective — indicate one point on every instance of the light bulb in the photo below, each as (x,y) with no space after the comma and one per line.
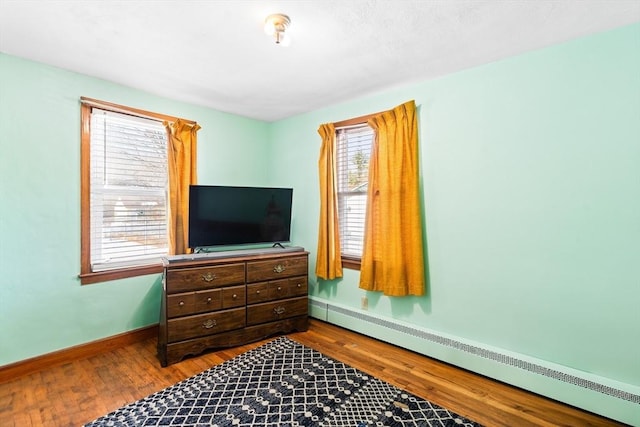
(283,39)
(269,28)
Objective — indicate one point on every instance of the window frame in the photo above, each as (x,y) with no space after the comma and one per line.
(87,276)
(350,261)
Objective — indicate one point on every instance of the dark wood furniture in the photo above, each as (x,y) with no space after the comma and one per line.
(230,301)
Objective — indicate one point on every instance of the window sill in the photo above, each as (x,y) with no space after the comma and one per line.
(104,276)
(350,262)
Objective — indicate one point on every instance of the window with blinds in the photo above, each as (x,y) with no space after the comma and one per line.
(128,190)
(353,152)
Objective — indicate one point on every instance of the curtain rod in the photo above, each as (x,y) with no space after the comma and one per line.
(127,110)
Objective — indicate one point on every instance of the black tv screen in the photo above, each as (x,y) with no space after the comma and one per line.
(224,215)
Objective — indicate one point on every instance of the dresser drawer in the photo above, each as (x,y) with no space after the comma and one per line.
(201,301)
(234,296)
(181,304)
(258,292)
(292,287)
(208,300)
(276,289)
(199,278)
(205,324)
(258,271)
(277,310)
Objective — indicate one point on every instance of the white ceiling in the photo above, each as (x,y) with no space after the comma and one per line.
(214,53)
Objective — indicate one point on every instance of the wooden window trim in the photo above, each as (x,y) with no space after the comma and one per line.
(121,273)
(354,121)
(351,262)
(110,106)
(86,275)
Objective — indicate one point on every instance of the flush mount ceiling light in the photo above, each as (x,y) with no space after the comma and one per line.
(275,25)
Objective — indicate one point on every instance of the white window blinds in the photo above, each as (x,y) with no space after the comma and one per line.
(353,152)
(128,186)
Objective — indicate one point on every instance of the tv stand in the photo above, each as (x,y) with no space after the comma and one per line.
(230,300)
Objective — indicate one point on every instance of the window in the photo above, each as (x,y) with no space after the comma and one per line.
(124,192)
(353,149)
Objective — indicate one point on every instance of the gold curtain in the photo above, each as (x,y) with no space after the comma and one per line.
(328,260)
(182,173)
(393,258)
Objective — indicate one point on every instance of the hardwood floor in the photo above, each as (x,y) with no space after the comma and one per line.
(77,392)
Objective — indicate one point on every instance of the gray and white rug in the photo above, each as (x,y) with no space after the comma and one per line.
(282,383)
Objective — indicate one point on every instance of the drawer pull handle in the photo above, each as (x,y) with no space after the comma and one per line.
(257,292)
(208,277)
(299,285)
(279,288)
(181,303)
(234,296)
(208,300)
(279,268)
(209,324)
(279,310)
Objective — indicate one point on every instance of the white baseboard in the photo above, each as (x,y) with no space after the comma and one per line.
(612,399)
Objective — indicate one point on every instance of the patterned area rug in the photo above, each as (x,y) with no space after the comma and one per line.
(282,383)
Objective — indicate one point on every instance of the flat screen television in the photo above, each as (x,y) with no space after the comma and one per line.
(225,215)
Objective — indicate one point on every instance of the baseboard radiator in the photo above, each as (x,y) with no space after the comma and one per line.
(399,334)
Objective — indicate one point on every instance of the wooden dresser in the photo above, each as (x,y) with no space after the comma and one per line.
(230,301)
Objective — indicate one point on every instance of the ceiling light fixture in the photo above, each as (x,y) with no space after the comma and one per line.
(275,25)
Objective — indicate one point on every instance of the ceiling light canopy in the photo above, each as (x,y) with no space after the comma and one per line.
(275,25)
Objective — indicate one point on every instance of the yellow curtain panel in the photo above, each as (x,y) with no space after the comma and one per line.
(393,257)
(328,261)
(182,173)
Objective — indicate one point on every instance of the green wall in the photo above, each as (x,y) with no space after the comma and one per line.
(531,185)
(43,307)
(531,189)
